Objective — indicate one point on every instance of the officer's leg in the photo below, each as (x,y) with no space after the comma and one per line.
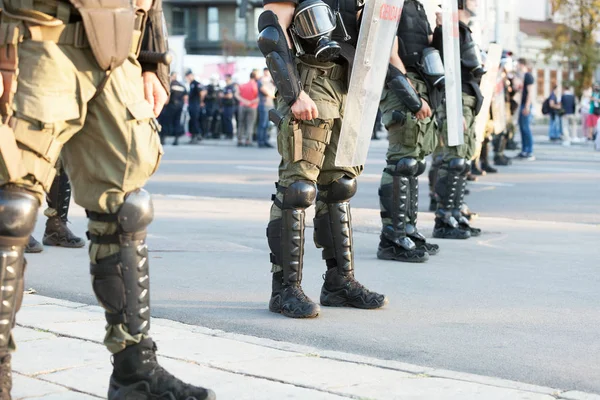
(447,188)
(462,213)
(194,111)
(333,233)
(120,138)
(437,159)
(301,160)
(57,232)
(395,188)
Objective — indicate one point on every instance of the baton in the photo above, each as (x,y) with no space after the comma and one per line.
(152,57)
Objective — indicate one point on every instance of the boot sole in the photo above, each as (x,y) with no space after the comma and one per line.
(59,244)
(415,260)
(141,391)
(442,236)
(305,316)
(343,302)
(34,250)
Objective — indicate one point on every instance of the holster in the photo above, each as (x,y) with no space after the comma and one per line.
(109,26)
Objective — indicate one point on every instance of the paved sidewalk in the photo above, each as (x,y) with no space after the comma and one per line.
(61,357)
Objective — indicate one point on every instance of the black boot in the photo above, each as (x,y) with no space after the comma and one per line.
(457,211)
(286,241)
(138,376)
(33,246)
(5,377)
(483,158)
(395,202)
(333,233)
(57,232)
(447,186)
(485,166)
(412,212)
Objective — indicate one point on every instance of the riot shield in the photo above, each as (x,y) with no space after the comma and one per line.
(499,108)
(451,41)
(377,32)
(488,88)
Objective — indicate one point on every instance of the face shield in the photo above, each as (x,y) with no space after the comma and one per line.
(432,66)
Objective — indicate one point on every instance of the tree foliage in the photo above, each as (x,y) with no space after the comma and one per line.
(575,39)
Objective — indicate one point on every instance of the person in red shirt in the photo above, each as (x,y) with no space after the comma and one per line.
(247,95)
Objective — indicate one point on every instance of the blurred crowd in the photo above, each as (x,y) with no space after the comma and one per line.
(219,109)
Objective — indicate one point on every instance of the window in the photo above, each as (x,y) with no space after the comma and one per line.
(240,28)
(177,22)
(213,24)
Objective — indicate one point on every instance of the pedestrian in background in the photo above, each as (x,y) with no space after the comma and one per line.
(247,95)
(594,113)
(584,109)
(266,95)
(228,102)
(525,115)
(569,107)
(555,130)
(170,117)
(196,98)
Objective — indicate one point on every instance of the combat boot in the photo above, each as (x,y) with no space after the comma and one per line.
(412,212)
(286,241)
(290,299)
(57,233)
(138,376)
(449,188)
(486,167)
(398,201)
(33,246)
(457,212)
(333,234)
(5,377)
(341,289)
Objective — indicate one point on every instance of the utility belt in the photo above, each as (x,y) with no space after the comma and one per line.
(113,33)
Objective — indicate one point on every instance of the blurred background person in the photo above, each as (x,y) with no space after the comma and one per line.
(594,113)
(266,96)
(584,109)
(568,104)
(525,115)
(228,103)
(170,117)
(247,95)
(196,98)
(555,128)
(211,105)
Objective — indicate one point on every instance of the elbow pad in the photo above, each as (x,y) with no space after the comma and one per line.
(273,45)
(154,49)
(398,83)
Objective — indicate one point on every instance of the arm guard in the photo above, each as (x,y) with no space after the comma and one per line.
(398,83)
(272,43)
(155,43)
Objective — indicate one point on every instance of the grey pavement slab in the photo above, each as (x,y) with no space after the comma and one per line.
(237,367)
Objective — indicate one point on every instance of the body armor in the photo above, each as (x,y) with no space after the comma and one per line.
(413,34)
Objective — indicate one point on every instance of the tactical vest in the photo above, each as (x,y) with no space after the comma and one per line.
(413,33)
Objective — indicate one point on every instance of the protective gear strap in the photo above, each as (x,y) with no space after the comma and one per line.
(398,83)
(273,45)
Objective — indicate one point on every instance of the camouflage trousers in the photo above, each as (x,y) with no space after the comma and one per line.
(98,123)
(469,148)
(308,148)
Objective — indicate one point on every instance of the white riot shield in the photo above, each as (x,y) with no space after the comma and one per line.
(488,87)
(451,37)
(377,32)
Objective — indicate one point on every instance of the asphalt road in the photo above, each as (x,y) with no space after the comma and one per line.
(520,302)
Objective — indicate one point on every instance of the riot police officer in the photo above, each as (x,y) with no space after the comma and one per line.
(59,99)
(413,89)
(195,100)
(174,109)
(311,85)
(452,164)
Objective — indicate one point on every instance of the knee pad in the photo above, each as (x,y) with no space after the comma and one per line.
(406,166)
(421,166)
(18,213)
(457,165)
(466,169)
(300,194)
(137,212)
(338,191)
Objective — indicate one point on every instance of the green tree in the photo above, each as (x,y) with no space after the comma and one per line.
(575,39)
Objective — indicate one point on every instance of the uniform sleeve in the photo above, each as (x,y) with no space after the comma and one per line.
(529,79)
(438,41)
